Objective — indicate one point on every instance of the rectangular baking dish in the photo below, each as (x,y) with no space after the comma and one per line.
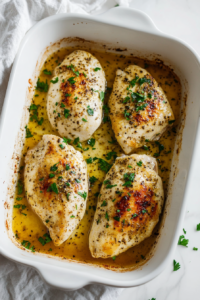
(120,28)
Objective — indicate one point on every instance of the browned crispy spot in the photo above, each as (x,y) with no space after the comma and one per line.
(69,90)
(135,208)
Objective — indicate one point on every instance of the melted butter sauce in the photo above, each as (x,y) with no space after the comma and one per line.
(26,224)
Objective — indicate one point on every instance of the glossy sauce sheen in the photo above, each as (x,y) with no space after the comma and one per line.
(26,224)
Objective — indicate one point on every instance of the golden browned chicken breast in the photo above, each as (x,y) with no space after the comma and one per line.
(56,185)
(139,108)
(75,96)
(129,205)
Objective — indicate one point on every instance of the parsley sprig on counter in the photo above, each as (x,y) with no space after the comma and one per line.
(176,265)
(182,241)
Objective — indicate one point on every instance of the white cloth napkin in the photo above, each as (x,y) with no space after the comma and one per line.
(17,281)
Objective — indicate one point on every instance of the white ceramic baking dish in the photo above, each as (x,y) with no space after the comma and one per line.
(124,28)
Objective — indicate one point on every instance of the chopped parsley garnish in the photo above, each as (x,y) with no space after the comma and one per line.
(84,120)
(103,165)
(62,105)
(129,178)
(97,69)
(66,113)
(28,133)
(195,249)
(67,184)
(134,216)
(130,167)
(20,187)
(182,241)
(90,111)
(176,265)
(106,109)
(91,142)
(51,175)
(104,203)
(184,231)
(26,244)
(117,218)
(17,206)
(33,107)
(78,180)
(146,148)
(46,72)
(126,99)
(45,239)
(68,194)
(72,67)
(71,80)
(139,163)
(144,80)
(114,257)
(54,167)
(61,146)
(75,98)
(198,227)
(55,80)
(42,86)
(67,167)
(128,209)
(144,211)
(109,186)
(138,98)
(19,198)
(93,179)
(53,188)
(89,160)
(127,115)
(101,95)
(113,200)
(83,195)
(133,82)
(67,95)
(66,141)
(111,154)
(141,107)
(72,216)
(106,216)
(161,147)
(112,142)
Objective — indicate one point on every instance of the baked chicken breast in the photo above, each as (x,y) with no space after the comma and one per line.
(56,185)
(129,205)
(74,100)
(139,108)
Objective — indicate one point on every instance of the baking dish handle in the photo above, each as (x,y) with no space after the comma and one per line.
(61,278)
(129,17)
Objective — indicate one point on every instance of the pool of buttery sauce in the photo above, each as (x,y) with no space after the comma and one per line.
(26,224)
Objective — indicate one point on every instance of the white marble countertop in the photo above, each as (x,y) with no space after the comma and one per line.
(179,18)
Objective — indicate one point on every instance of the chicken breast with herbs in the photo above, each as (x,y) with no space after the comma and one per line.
(129,205)
(56,185)
(139,108)
(75,96)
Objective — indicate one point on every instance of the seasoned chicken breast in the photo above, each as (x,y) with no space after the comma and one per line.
(139,108)
(56,185)
(75,96)
(128,208)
